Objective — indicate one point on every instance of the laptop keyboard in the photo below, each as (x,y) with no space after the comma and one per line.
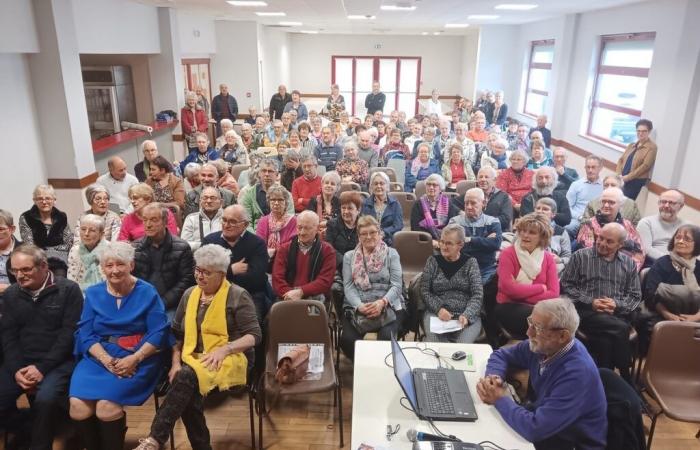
(438,393)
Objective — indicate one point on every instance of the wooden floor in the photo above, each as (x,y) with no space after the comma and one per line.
(308,424)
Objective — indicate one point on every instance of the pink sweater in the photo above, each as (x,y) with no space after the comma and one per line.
(287,233)
(510,291)
(132,227)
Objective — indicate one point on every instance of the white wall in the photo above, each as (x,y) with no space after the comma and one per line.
(497,59)
(109,26)
(470,56)
(275,61)
(197,34)
(17,28)
(25,167)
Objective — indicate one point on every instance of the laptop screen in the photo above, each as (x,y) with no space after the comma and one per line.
(403,373)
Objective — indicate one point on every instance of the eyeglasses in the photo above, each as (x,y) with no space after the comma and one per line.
(448,243)
(275,200)
(198,271)
(22,270)
(44,199)
(682,238)
(369,234)
(539,329)
(232,222)
(668,202)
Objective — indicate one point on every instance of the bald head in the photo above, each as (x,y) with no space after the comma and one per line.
(117,168)
(670,203)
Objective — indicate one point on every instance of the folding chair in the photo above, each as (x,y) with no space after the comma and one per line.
(420,189)
(406,199)
(238,169)
(391,173)
(463,186)
(414,248)
(349,186)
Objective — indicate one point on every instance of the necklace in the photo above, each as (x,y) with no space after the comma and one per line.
(116,294)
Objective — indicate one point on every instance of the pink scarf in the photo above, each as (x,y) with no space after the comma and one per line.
(416,166)
(275,226)
(361,266)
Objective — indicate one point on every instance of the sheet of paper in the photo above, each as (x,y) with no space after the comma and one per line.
(437,326)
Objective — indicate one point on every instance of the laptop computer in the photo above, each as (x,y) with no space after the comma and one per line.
(434,394)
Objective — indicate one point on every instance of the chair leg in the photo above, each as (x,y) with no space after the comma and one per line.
(651,430)
(172,432)
(339,391)
(261,412)
(252,419)
(697,436)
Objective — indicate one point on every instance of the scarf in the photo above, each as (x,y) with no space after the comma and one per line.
(416,166)
(91,263)
(450,268)
(214,334)
(501,160)
(42,238)
(687,269)
(362,266)
(441,211)
(530,263)
(146,167)
(314,260)
(275,226)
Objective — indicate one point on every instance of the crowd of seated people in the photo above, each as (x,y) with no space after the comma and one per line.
(189,239)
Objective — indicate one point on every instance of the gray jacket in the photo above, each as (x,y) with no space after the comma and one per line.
(387,283)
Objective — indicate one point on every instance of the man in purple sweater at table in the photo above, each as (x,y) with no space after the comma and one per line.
(566,408)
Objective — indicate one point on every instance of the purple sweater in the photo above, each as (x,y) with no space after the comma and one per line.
(568,401)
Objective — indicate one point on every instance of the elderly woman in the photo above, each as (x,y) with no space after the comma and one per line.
(248,138)
(193,120)
(372,284)
(167,188)
(97,197)
(527,273)
(45,226)
(225,180)
(516,180)
(451,289)
(327,204)
(636,162)
(384,208)
(8,242)
(291,169)
(294,141)
(206,356)
(226,126)
(421,166)
(132,226)
(341,232)
(539,158)
(201,153)
(280,226)
(142,168)
(191,175)
(352,168)
(394,148)
(433,210)
(500,110)
(456,168)
(122,327)
(560,245)
(233,151)
(497,156)
(335,103)
(83,259)
(275,135)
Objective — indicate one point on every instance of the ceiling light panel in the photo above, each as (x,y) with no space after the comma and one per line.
(516,6)
(483,17)
(270,14)
(397,8)
(246,3)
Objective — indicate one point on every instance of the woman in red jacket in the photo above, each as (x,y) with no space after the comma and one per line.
(193,120)
(516,180)
(527,273)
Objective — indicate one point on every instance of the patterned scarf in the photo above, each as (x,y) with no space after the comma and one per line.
(687,269)
(441,211)
(362,266)
(274,239)
(417,165)
(91,263)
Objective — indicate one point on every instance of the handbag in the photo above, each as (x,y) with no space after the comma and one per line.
(293,366)
(364,324)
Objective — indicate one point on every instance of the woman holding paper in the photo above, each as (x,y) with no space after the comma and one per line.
(216,328)
(452,291)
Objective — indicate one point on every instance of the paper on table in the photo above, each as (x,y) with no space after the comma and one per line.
(437,326)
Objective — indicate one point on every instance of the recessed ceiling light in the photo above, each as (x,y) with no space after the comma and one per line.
(456,25)
(361,17)
(246,3)
(436,33)
(270,14)
(483,17)
(425,33)
(516,7)
(397,8)
(291,24)
(308,31)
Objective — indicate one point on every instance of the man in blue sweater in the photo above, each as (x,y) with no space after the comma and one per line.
(567,408)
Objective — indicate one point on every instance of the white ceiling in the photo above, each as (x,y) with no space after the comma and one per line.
(330,16)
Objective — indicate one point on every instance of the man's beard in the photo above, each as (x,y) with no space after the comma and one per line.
(544,191)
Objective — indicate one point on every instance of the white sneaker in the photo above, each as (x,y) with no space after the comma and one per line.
(148,444)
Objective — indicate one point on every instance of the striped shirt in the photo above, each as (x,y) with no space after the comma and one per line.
(589,276)
(546,362)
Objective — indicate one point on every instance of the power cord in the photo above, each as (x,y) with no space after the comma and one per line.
(443,362)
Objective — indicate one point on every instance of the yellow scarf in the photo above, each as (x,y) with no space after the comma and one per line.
(214,334)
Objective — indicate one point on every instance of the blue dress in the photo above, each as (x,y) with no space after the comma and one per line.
(141,312)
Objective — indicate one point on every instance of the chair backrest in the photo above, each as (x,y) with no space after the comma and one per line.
(420,188)
(391,173)
(349,186)
(406,200)
(414,248)
(674,356)
(395,186)
(399,166)
(451,194)
(243,178)
(237,169)
(463,186)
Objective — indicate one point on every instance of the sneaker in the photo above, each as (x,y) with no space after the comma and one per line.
(148,444)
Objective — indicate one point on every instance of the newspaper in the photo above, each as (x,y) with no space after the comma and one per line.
(316,356)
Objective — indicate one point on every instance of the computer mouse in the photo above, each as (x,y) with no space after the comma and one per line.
(459,355)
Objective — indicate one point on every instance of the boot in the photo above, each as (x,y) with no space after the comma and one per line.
(89,433)
(112,434)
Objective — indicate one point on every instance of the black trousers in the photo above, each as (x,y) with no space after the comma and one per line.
(513,318)
(607,339)
(350,334)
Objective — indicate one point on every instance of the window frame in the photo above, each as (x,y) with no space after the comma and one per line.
(602,69)
(535,65)
(375,76)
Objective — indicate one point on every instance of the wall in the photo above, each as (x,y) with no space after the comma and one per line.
(470,56)
(496,58)
(27,158)
(197,34)
(108,26)
(275,61)
(17,28)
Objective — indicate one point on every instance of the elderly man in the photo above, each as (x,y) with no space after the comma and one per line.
(604,284)
(582,191)
(202,154)
(428,138)
(208,177)
(542,128)
(567,403)
(498,203)
(657,230)
(278,101)
(365,150)
(483,233)
(543,185)
(39,318)
(296,105)
(567,175)
(306,186)
(117,182)
(150,151)
(375,100)
(416,135)
(522,141)
(254,199)
(206,220)
(191,175)
(629,209)
(305,266)
(609,212)
(162,259)
(223,106)
(249,258)
(328,152)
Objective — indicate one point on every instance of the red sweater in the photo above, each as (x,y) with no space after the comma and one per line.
(510,291)
(304,190)
(320,285)
(516,187)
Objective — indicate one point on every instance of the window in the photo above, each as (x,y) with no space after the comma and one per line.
(398,77)
(620,87)
(539,74)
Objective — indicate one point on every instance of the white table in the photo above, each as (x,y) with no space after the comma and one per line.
(376,394)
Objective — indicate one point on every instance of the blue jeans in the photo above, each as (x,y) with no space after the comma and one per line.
(46,403)
(632,188)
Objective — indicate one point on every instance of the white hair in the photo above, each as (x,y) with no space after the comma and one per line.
(226,122)
(93,219)
(562,312)
(477,192)
(436,178)
(213,256)
(118,251)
